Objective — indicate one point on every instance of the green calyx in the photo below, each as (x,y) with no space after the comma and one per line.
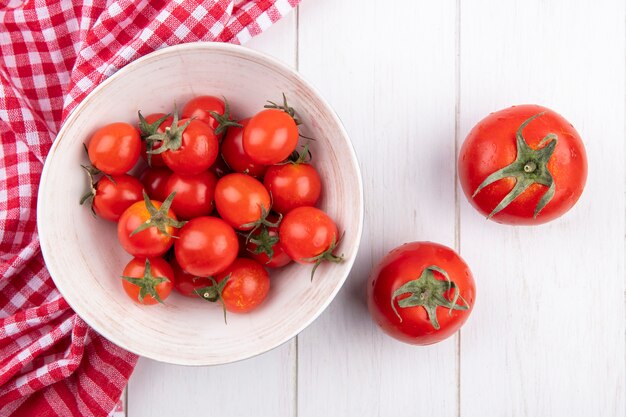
(284,107)
(213,292)
(530,167)
(147,284)
(223,120)
(264,242)
(148,130)
(254,226)
(171,138)
(159,217)
(428,292)
(326,256)
(297,158)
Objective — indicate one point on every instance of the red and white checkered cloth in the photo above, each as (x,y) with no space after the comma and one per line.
(52,54)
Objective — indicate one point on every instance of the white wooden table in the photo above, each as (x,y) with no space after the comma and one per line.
(409,79)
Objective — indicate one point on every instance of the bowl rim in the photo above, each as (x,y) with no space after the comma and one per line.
(205,47)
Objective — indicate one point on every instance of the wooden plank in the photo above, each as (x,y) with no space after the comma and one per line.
(547,334)
(389,73)
(263,386)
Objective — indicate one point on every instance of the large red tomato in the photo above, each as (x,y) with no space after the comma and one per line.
(523,165)
(421,293)
(292,185)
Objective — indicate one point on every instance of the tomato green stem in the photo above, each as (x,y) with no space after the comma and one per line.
(530,167)
(428,292)
(147,284)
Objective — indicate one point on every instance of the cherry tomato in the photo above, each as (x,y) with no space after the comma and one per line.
(114,148)
(265,242)
(154,181)
(148,281)
(421,293)
(198,147)
(149,241)
(114,197)
(194,194)
(186,283)
(201,108)
(149,127)
(270,137)
(234,155)
(292,185)
(247,285)
(523,165)
(206,246)
(241,200)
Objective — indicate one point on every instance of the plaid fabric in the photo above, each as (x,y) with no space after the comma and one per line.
(52,54)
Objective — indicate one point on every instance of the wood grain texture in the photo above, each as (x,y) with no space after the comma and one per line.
(260,386)
(547,336)
(389,73)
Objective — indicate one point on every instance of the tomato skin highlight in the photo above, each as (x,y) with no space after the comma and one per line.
(186,283)
(113,198)
(154,181)
(235,156)
(198,151)
(201,107)
(246,288)
(491,146)
(306,232)
(206,246)
(194,194)
(239,198)
(406,263)
(292,186)
(114,149)
(147,243)
(156,160)
(270,136)
(160,268)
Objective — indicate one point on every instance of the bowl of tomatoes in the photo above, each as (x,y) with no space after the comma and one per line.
(203,249)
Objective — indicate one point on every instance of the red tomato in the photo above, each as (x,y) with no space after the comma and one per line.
(523,165)
(148,281)
(150,125)
(154,181)
(186,283)
(247,285)
(241,201)
(308,235)
(114,148)
(270,137)
(412,300)
(292,185)
(143,234)
(194,194)
(234,155)
(190,146)
(114,197)
(206,246)
(212,111)
(264,246)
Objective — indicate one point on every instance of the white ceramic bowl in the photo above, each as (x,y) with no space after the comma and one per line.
(85,259)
